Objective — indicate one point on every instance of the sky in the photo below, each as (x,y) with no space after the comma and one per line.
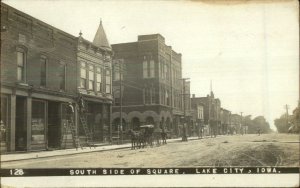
(249,50)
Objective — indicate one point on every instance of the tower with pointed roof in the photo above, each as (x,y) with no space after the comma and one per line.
(100,38)
(94,62)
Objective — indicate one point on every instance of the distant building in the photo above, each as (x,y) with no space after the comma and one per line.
(212,112)
(236,123)
(198,115)
(151,87)
(225,121)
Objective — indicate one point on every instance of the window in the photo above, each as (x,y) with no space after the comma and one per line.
(21,66)
(162,67)
(152,73)
(83,75)
(167,98)
(43,66)
(148,68)
(91,77)
(108,81)
(145,69)
(167,72)
(62,76)
(98,79)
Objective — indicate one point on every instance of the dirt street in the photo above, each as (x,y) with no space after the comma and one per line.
(236,150)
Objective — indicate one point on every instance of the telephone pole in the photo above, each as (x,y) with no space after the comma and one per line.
(287,114)
(184,138)
(119,68)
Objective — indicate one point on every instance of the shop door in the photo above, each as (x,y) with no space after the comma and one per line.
(54,126)
(38,125)
(21,128)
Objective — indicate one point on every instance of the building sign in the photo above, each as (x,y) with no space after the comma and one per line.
(38,130)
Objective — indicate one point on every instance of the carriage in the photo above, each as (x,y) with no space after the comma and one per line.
(145,136)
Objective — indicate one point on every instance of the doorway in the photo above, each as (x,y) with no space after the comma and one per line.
(54,127)
(21,128)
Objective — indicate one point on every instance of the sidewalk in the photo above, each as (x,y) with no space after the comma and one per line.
(73,151)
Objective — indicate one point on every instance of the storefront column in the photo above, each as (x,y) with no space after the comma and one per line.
(12,120)
(29,121)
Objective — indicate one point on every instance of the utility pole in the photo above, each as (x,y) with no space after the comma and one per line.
(119,69)
(287,115)
(184,138)
(121,98)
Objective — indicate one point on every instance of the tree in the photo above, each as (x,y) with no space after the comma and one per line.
(281,123)
(258,122)
(261,123)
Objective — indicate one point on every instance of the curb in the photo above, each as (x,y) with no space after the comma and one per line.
(89,151)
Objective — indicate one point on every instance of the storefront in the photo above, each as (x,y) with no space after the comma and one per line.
(98,121)
(4,123)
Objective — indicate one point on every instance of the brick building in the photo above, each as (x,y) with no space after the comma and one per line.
(151,86)
(212,112)
(41,70)
(225,121)
(198,115)
(94,83)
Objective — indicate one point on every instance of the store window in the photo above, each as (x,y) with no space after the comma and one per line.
(4,118)
(38,122)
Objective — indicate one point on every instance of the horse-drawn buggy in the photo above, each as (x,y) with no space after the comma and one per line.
(146,136)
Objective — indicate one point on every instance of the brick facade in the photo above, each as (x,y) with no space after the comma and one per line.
(151,87)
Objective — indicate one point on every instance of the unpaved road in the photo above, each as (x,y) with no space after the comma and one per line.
(236,150)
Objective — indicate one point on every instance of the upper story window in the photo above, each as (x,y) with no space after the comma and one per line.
(98,79)
(62,76)
(21,65)
(107,81)
(118,71)
(83,75)
(148,68)
(91,77)
(43,71)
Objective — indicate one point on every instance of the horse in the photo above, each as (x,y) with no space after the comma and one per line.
(148,136)
(157,136)
(164,137)
(136,139)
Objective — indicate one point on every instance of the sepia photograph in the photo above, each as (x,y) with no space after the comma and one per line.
(135,93)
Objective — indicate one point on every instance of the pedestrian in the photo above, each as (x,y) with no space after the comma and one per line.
(258,131)
(70,111)
(81,103)
(184,136)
